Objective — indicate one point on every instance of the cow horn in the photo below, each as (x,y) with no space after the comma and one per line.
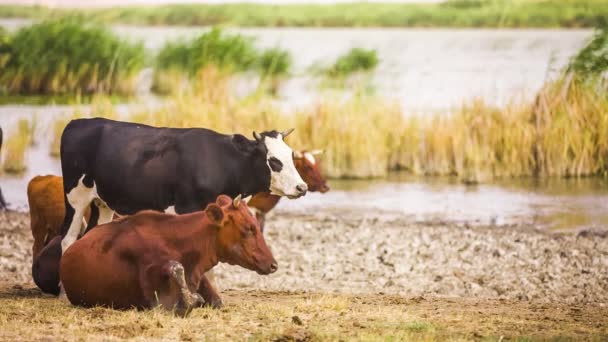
(287,132)
(317,152)
(236,201)
(247,199)
(298,154)
(257,136)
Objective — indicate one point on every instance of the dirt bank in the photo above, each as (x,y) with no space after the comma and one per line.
(343,252)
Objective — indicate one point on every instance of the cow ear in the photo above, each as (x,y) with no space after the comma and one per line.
(215,213)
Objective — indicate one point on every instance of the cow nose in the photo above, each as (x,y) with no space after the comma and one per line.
(274,267)
(302,188)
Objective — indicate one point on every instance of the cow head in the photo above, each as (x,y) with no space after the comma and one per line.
(240,241)
(284,178)
(309,169)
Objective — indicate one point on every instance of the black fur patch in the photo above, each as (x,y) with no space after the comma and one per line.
(275,164)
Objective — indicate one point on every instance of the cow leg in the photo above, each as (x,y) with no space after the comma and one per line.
(208,290)
(2,201)
(78,198)
(172,291)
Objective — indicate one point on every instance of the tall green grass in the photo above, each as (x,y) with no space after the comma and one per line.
(355,60)
(68,56)
(454,13)
(179,61)
(592,61)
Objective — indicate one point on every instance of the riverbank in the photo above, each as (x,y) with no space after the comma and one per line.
(339,251)
(360,275)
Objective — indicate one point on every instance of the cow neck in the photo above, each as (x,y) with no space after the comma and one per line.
(204,240)
(250,184)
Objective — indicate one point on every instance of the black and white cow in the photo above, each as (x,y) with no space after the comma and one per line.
(125,167)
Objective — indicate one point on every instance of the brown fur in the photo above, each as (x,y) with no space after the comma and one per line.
(47,209)
(136,261)
(264,202)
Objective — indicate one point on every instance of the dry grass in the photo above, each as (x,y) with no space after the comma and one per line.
(280,316)
(563,133)
(16,148)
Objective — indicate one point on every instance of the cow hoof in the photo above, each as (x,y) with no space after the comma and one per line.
(215,303)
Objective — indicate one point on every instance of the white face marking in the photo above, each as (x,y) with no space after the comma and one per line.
(284,182)
(310,158)
(170,210)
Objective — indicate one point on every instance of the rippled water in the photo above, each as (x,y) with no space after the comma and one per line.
(425,70)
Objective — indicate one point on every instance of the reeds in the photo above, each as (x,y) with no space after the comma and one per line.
(451,13)
(68,56)
(16,147)
(563,133)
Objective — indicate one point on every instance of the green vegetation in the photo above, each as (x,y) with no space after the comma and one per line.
(274,62)
(355,60)
(592,60)
(454,13)
(178,61)
(67,56)
(16,147)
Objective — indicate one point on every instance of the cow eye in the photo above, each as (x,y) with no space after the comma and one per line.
(275,164)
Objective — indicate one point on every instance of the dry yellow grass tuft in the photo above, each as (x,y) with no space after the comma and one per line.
(16,148)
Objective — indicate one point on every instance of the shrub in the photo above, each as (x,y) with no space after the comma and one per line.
(67,56)
(355,60)
(592,60)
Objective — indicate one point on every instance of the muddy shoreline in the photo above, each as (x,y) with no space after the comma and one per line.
(337,251)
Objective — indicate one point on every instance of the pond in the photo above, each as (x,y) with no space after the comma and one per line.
(425,70)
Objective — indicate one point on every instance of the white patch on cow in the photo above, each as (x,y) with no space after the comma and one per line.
(170,210)
(79,198)
(284,182)
(310,158)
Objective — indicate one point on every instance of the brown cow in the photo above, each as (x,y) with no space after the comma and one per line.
(47,209)
(309,170)
(153,258)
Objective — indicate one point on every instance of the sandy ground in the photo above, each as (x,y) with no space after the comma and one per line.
(457,279)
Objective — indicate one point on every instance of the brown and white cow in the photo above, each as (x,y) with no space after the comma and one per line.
(310,171)
(152,258)
(47,209)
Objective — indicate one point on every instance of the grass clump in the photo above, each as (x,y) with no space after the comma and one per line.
(592,60)
(355,60)
(16,147)
(274,62)
(68,56)
(451,13)
(179,61)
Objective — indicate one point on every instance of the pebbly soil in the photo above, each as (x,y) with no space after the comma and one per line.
(449,280)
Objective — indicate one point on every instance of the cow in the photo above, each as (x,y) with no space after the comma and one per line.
(2,201)
(308,168)
(154,258)
(127,167)
(47,210)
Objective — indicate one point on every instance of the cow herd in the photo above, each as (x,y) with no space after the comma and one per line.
(142,214)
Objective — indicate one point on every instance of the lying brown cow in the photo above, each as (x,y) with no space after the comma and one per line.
(309,170)
(47,209)
(152,258)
